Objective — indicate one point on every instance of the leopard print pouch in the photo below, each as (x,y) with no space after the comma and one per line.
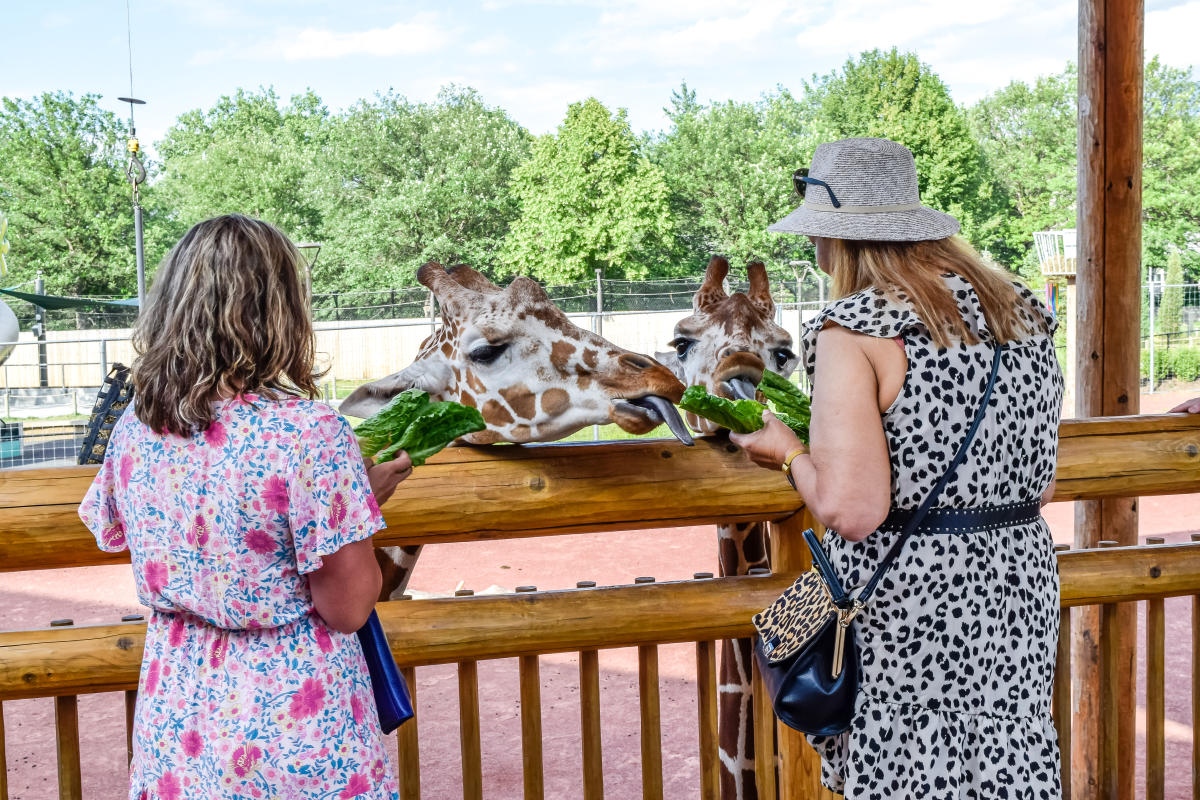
(796,617)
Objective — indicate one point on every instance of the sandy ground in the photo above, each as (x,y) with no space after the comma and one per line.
(104,594)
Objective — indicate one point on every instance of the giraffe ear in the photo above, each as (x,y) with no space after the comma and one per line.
(760,289)
(712,291)
(670,360)
(453,296)
(472,279)
(429,375)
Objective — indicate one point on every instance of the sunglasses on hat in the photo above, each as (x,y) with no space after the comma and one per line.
(801,181)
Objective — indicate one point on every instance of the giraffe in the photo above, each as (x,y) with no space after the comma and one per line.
(532,373)
(724,346)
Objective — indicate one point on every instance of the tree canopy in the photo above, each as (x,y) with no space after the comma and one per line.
(388,183)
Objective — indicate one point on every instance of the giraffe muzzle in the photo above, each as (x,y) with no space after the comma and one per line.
(661,410)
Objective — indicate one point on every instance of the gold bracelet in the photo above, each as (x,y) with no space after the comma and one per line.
(786,466)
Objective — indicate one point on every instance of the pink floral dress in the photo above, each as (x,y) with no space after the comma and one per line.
(244,691)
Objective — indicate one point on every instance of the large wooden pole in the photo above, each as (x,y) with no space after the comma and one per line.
(1107,371)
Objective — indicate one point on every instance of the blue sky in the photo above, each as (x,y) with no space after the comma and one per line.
(531,57)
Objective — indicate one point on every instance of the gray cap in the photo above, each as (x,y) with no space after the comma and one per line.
(874,182)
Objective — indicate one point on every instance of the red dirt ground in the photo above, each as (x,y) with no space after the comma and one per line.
(104,594)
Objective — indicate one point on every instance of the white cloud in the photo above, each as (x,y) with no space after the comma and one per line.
(422,34)
(676,32)
(490,45)
(1171,34)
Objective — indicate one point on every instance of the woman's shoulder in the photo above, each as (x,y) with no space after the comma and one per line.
(299,414)
(873,311)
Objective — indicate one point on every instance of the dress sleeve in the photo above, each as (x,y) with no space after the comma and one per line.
(99,510)
(330,504)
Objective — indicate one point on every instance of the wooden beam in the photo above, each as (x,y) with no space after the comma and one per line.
(556,489)
(1108,368)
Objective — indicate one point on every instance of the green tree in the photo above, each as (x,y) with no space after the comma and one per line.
(251,155)
(1028,135)
(1171,167)
(728,167)
(62,185)
(893,95)
(407,183)
(1168,318)
(589,200)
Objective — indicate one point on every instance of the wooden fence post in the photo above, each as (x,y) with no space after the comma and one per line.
(1108,367)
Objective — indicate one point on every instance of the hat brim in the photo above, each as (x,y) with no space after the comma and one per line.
(918,225)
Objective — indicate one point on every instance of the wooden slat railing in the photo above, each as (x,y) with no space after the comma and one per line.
(66,661)
(553,489)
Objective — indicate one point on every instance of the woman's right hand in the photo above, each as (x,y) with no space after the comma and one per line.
(1188,406)
(385,477)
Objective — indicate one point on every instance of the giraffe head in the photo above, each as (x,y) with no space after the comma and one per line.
(729,340)
(534,375)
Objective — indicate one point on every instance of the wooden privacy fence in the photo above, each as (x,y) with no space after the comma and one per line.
(534,491)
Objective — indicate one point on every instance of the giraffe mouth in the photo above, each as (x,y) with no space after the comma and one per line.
(659,410)
(741,388)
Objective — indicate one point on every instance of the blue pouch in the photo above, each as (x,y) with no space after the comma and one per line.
(391,692)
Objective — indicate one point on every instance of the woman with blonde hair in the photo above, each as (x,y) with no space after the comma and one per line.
(957,645)
(248,513)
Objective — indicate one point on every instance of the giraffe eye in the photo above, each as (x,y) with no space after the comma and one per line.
(487,353)
(682,346)
(782,356)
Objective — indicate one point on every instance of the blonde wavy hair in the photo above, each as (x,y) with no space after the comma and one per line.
(915,269)
(226,316)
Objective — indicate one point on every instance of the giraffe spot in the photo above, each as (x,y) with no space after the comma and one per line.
(495,414)
(555,401)
(560,354)
(520,400)
(447,349)
(467,399)
(590,357)
(520,433)
(475,384)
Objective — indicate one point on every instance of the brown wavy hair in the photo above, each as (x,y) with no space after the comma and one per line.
(915,268)
(226,316)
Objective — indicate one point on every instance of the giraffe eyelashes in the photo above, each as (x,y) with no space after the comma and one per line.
(682,346)
(782,356)
(487,353)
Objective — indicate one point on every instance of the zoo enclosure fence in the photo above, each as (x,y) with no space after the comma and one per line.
(591,488)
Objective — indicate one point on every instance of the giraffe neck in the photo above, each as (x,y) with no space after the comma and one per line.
(743,547)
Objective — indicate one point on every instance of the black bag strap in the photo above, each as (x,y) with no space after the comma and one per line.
(916,518)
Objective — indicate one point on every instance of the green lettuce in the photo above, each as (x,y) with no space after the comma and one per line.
(413,423)
(745,416)
(739,416)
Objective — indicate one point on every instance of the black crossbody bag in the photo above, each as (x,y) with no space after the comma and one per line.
(805,646)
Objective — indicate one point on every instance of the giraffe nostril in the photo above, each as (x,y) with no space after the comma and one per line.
(637,361)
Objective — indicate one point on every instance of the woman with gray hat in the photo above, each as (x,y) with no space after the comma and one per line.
(957,645)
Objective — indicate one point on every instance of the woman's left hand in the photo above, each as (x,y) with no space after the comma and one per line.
(769,445)
(385,477)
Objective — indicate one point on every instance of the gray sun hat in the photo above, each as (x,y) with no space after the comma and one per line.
(864,189)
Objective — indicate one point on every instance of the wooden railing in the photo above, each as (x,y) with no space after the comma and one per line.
(557,489)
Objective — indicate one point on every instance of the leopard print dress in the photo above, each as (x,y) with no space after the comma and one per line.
(958,642)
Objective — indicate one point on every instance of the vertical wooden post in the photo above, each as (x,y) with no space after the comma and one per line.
(1109,277)
(799,764)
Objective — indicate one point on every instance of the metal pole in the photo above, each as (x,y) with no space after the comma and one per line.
(1151,291)
(141,254)
(103,360)
(599,326)
(39,322)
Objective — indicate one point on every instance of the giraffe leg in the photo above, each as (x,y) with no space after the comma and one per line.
(396,564)
(742,547)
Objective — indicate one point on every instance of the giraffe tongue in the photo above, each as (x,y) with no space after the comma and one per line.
(665,409)
(742,389)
